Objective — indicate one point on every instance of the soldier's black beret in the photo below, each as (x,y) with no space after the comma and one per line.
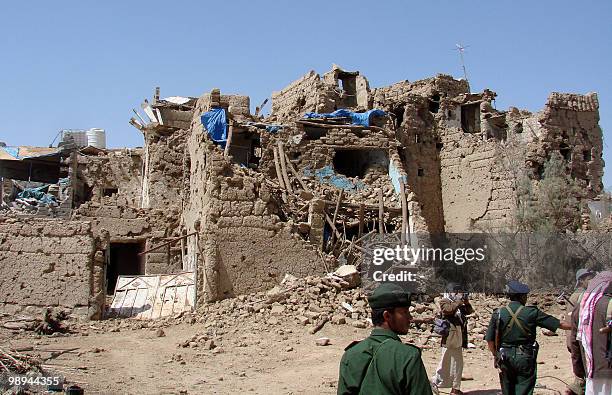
(389,295)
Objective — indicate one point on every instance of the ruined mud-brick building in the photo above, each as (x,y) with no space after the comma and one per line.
(241,200)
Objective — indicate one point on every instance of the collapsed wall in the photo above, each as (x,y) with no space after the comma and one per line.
(416,108)
(50,263)
(242,244)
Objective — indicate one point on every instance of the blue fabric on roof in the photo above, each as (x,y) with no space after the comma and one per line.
(357,118)
(216,125)
(13,151)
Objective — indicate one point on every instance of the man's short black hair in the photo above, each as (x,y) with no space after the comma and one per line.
(377,315)
(517,297)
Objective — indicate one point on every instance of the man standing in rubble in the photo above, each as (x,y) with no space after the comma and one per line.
(511,338)
(382,364)
(454,307)
(592,329)
(583,276)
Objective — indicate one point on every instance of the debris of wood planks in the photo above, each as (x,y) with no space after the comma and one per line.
(319,325)
(361,215)
(259,108)
(279,174)
(295,173)
(281,157)
(338,202)
(144,123)
(16,362)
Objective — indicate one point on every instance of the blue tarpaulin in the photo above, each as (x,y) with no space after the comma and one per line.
(13,151)
(216,125)
(38,194)
(357,118)
(326,175)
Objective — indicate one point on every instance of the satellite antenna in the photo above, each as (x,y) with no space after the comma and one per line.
(461,49)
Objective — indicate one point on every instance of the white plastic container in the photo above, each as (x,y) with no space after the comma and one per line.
(96,138)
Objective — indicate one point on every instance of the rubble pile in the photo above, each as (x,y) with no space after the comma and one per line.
(313,302)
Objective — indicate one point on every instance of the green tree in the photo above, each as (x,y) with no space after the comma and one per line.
(551,205)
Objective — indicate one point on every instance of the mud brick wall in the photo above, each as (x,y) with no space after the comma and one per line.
(240,105)
(307,94)
(473,188)
(165,159)
(570,124)
(121,169)
(444,85)
(242,245)
(175,118)
(152,227)
(48,263)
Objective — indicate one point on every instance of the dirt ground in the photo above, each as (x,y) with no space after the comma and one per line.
(269,358)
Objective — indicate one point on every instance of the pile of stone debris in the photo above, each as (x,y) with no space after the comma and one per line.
(314,302)
(311,302)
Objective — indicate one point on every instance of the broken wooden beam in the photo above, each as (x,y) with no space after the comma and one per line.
(281,157)
(279,174)
(338,202)
(361,218)
(134,122)
(331,224)
(260,107)
(139,117)
(295,173)
(228,143)
(381,212)
(366,206)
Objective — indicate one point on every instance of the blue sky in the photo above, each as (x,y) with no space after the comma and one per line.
(83,64)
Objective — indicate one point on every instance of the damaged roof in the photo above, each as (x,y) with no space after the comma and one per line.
(26,152)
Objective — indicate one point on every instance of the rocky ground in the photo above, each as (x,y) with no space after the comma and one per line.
(286,341)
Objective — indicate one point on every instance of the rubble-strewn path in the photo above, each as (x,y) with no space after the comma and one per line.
(267,352)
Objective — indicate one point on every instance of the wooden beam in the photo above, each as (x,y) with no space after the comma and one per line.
(331,224)
(295,173)
(366,206)
(134,122)
(139,117)
(281,157)
(261,106)
(338,202)
(168,243)
(381,212)
(279,174)
(230,134)
(361,218)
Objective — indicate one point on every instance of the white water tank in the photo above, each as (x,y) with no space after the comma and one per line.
(96,138)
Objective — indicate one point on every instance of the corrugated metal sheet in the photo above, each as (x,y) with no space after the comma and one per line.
(153,296)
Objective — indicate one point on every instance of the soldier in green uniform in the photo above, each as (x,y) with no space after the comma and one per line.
(382,364)
(511,337)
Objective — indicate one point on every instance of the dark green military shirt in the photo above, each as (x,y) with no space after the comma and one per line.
(396,368)
(530,318)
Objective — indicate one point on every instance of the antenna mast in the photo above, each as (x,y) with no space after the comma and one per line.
(460,48)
